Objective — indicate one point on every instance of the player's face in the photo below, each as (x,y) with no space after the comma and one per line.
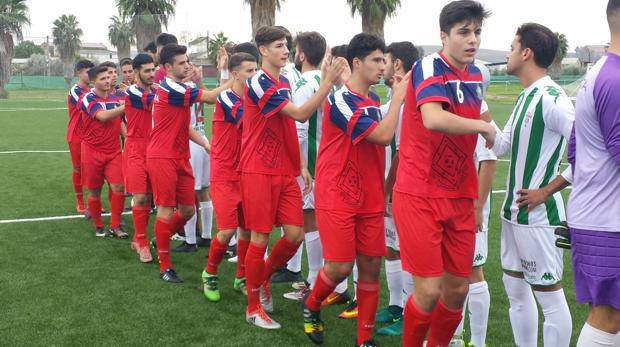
(181,67)
(461,44)
(83,76)
(103,81)
(514,59)
(276,53)
(127,71)
(244,71)
(372,67)
(389,70)
(145,74)
(112,73)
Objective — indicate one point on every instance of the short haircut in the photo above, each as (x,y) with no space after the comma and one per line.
(238,58)
(84,64)
(125,61)
(169,51)
(165,38)
(362,45)
(405,51)
(289,37)
(268,34)
(247,47)
(95,71)
(141,59)
(313,46)
(613,10)
(339,51)
(461,11)
(108,64)
(150,47)
(542,41)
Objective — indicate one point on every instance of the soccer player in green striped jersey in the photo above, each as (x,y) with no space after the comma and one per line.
(535,137)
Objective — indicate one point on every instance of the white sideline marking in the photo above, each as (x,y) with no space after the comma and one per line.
(32,109)
(508,161)
(17,152)
(43,219)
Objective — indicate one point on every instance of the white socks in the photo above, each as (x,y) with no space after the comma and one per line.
(523,311)
(294,264)
(393,272)
(478,304)
(190,230)
(206,218)
(314,252)
(407,286)
(592,337)
(558,323)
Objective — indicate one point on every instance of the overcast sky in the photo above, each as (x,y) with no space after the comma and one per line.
(583,22)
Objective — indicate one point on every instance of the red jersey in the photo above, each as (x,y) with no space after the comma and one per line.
(434,164)
(269,143)
(138,112)
(100,136)
(226,138)
(171,115)
(74,127)
(160,74)
(349,169)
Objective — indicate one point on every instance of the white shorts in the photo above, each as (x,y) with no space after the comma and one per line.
(391,236)
(307,201)
(532,251)
(199,159)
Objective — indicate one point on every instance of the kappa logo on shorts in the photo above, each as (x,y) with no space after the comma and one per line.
(479,257)
(547,277)
(269,148)
(350,183)
(448,162)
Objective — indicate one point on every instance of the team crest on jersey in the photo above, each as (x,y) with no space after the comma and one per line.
(448,164)
(350,184)
(269,148)
(528,117)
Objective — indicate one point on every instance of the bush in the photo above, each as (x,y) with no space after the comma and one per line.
(574,70)
(36,66)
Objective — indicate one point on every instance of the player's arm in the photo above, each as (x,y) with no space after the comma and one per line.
(210,96)
(435,118)
(305,175)
(198,139)
(486,173)
(391,178)
(106,115)
(304,112)
(384,132)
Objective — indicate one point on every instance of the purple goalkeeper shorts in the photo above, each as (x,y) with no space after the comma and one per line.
(596,267)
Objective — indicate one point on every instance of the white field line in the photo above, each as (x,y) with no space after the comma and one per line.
(19,152)
(32,109)
(43,219)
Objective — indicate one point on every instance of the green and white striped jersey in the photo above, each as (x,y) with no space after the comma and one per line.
(310,131)
(291,73)
(535,137)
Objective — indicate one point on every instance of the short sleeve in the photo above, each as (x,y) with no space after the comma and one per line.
(428,82)
(484,107)
(270,96)
(560,115)
(181,95)
(355,121)
(607,105)
(302,91)
(91,107)
(232,108)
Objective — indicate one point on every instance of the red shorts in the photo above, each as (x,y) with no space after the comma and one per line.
(270,200)
(346,234)
(436,235)
(172,181)
(227,206)
(134,160)
(97,165)
(75,149)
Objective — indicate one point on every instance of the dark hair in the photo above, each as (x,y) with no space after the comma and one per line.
(289,37)
(405,51)
(313,45)
(362,45)
(108,64)
(150,47)
(84,64)
(238,58)
(462,11)
(171,50)
(140,60)
(95,71)
(247,47)
(339,51)
(165,38)
(542,41)
(613,8)
(125,61)
(268,34)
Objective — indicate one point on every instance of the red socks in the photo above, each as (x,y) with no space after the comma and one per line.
(322,288)
(443,324)
(367,300)
(242,249)
(254,263)
(216,253)
(177,224)
(162,238)
(282,251)
(117,203)
(94,205)
(415,325)
(140,215)
(77,187)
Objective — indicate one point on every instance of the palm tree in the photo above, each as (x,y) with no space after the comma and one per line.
(120,36)
(147,17)
(13,15)
(374,13)
(67,39)
(263,13)
(214,44)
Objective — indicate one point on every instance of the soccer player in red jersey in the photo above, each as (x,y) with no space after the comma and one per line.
(225,185)
(74,128)
(350,202)
(116,92)
(167,155)
(101,150)
(128,73)
(138,117)
(269,163)
(162,40)
(436,181)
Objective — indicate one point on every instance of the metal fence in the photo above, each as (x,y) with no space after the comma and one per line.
(58,82)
